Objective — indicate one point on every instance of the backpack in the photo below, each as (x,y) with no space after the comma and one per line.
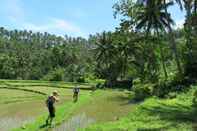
(76,90)
(50,101)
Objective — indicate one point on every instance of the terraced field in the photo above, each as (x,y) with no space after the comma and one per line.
(24,101)
(22,105)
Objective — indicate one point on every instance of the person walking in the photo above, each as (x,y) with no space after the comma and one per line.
(51,100)
(75,94)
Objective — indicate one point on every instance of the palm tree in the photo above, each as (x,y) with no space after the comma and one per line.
(172,38)
(153,18)
(105,53)
(195,6)
(171,34)
(188,26)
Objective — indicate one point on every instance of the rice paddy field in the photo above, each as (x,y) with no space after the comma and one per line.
(22,105)
(22,108)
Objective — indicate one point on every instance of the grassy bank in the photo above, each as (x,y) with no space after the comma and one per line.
(177,114)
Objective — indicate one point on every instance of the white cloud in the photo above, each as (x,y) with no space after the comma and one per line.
(13,9)
(179,24)
(65,25)
(56,26)
(15,12)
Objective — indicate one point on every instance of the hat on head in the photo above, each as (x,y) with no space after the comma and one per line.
(55,92)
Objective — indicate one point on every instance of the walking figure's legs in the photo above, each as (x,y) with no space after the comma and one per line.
(75,98)
(47,120)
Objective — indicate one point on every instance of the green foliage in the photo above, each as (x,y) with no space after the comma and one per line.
(56,75)
(81,80)
(142,91)
(165,88)
(191,64)
(28,55)
(100,86)
(194,100)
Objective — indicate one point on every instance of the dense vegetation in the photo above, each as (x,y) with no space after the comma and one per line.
(144,46)
(28,55)
(146,52)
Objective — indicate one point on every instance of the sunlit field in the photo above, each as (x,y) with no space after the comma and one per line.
(26,109)
(98,65)
(19,106)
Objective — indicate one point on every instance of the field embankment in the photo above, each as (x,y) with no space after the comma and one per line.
(154,114)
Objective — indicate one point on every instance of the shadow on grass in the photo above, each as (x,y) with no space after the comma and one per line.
(120,98)
(126,99)
(175,113)
(43,126)
(164,128)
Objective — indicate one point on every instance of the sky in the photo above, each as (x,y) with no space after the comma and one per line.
(60,17)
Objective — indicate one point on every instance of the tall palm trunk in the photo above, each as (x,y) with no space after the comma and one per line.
(188,28)
(163,63)
(173,44)
(162,58)
(195,6)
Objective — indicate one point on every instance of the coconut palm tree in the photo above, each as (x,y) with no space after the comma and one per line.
(195,6)
(153,18)
(188,26)
(105,53)
(171,35)
(172,38)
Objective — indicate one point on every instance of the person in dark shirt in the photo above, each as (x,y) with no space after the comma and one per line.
(51,100)
(75,94)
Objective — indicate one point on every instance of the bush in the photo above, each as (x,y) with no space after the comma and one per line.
(171,95)
(56,75)
(142,91)
(136,81)
(163,88)
(100,86)
(81,80)
(194,101)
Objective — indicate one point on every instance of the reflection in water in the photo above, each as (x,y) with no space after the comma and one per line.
(8,123)
(76,122)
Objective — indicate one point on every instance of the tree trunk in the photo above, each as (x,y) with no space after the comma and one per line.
(162,57)
(188,29)
(163,63)
(173,45)
(195,6)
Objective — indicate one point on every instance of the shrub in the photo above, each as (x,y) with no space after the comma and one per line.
(90,78)
(163,88)
(142,91)
(57,75)
(194,101)
(81,80)
(171,95)
(136,81)
(100,86)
